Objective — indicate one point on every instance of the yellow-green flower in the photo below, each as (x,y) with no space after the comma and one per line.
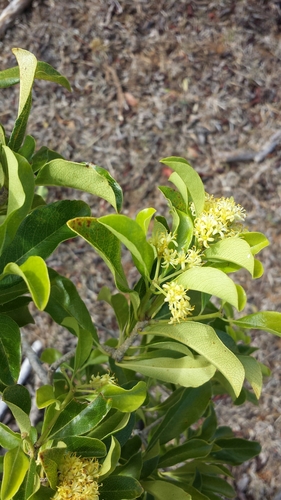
(99,381)
(178,301)
(77,478)
(162,240)
(221,217)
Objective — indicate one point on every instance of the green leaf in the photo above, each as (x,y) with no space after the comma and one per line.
(27,66)
(132,467)
(50,459)
(125,400)
(270,321)
(191,179)
(121,309)
(28,148)
(186,370)
(163,489)
(65,302)
(18,399)
(212,281)
(8,438)
(42,231)
(235,451)
(204,340)
(253,373)
(180,416)
(45,396)
(81,176)
(195,448)
(184,230)
(21,190)
(45,71)
(42,156)
(111,460)
(85,446)
(106,245)
(143,218)
(114,422)
(174,198)
(83,348)
(78,418)
(216,485)
(133,237)
(16,464)
(233,250)
(35,274)
(18,310)
(31,482)
(9,77)
(120,488)
(10,350)
(257,241)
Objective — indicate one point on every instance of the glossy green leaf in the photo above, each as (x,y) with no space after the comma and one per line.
(28,148)
(174,198)
(195,448)
(16,464)
(180,416)
(8,438)
(133,237)
(125,400)
(164,489)
(65,302)
(235,451)
(186,370)
(85,446)
(18,399)
(31,482)
(27,63)
(132,467)
(18,310)
(78,418)
(143,218)
(204,340)
(120,488)
(235,250)
(114,422)
(216,485)
(45,396)
(257,241)
(183,230)
(21,190)
(35,274)
(81,176)
(45,71)
(211,281)
(83,348)
(111,459)
(106,245)
(42,231)
(258,269)
(9,77)
(50,459)
(270,321)
(253,373)
(191,179)
(121,309)
(10,350)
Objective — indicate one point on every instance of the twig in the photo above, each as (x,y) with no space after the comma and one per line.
(11,12)
(122,104)
(34,360)
(268,147)
(118,354)
(54,366)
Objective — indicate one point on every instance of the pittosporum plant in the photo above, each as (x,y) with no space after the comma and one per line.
(131,416)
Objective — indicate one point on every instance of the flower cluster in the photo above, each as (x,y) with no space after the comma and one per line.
(178,301)
(99,381)
(221,217)
(77,478)
(173,257)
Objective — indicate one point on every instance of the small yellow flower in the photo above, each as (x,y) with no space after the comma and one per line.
(77,478)
(99,381)
(220,218)
(179,304)
(161,242)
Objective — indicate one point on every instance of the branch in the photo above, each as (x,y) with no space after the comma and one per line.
(33,359)
(11,12)
(53,368)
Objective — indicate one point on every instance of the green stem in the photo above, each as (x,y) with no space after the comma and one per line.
(45,434)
